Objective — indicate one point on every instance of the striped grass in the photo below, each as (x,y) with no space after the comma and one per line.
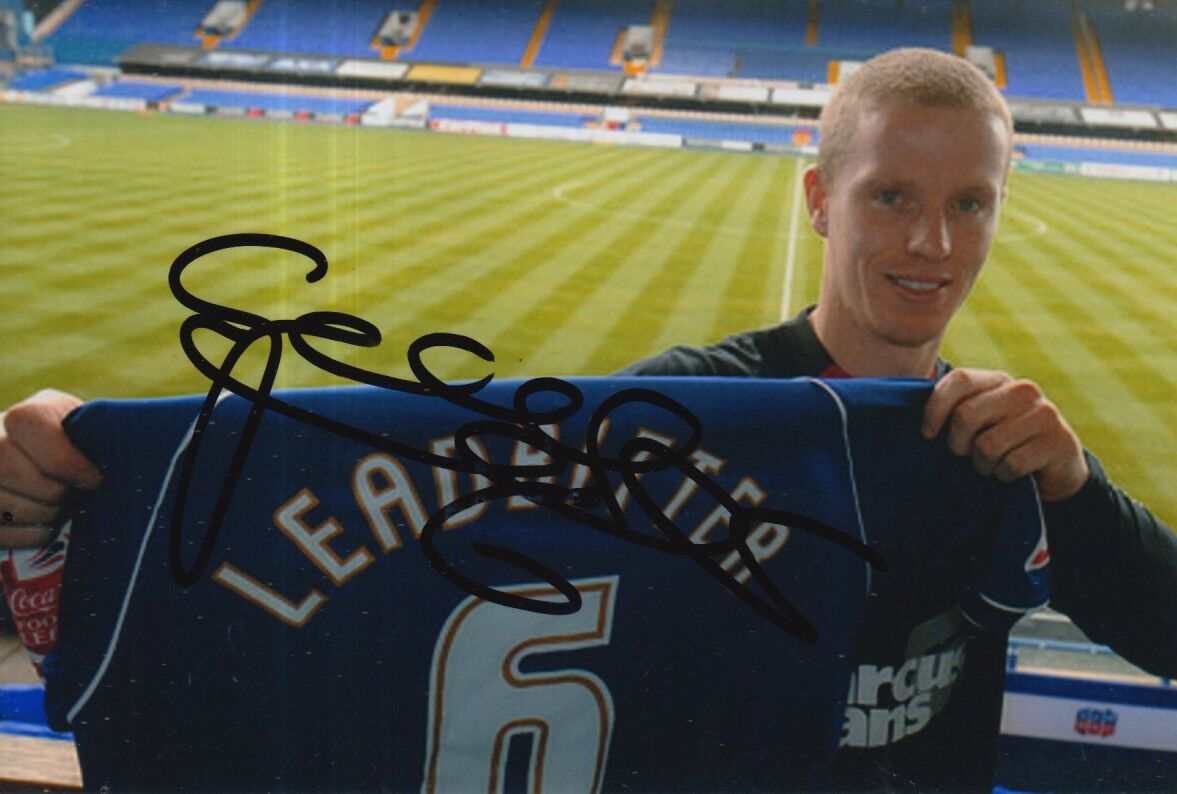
(563,258)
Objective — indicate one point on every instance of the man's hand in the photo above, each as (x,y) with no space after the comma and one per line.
(37,464)
(1009,429)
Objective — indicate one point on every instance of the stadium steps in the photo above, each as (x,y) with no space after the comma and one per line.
(583,32)
(387,53)
(962,39)
(962,27)
(1098,67)
(660,22)
(537,37)
(55,18)
(618,46)
(1001,77)
(1095,75)
(424,12)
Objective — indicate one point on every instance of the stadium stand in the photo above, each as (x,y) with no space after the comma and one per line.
(809,65)
(583,33)
(342,27)
(750,39)
(871,26)
(720,131)
(1089,154)
(99,30)
(704,40)
(477,31)
(772,40)
(699,61)
(282,103)
(438,110)
(1038,43)
(46,79)
(148,92)
(1140,51)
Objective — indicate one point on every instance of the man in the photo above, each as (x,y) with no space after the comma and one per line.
(906,191)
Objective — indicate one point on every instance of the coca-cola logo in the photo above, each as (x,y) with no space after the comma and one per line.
(25,602)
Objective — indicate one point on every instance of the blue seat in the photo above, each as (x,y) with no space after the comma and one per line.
(477,31)
(582,32)
(148,92)
(1038,44)
(101,30)
(341,27)
(1140,52)
(291,103)
(45,80)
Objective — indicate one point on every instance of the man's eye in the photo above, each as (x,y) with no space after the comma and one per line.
(888,198)
(969,205)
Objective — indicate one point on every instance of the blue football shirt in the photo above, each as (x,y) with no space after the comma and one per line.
(323,644)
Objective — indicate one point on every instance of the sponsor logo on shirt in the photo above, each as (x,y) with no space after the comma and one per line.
(888,703)
(1040,557)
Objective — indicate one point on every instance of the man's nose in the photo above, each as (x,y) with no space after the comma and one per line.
(929,236)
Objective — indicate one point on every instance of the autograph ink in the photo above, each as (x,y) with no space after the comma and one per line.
(519,422)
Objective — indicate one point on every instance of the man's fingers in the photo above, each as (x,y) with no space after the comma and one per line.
(1009,430)
(34,426)
(1011,450)
(20,536)
(951,390)
(17,509)
(22,477)
(37,463)
(992,423)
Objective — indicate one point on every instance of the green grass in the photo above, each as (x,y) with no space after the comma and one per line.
(563,258)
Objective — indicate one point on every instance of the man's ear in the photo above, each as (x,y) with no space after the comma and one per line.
(815,200)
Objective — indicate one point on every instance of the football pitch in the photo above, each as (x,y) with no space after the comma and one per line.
(564,259)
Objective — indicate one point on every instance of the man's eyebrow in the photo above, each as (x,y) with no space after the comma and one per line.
(876,182)
(983,188)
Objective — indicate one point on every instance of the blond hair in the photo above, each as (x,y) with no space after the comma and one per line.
(921,76)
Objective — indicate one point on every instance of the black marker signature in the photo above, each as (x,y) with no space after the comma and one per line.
(519,422)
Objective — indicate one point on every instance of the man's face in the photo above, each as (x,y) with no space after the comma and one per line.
(908,219)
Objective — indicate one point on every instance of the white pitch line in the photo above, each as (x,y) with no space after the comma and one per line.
(791,256)
(1040,227)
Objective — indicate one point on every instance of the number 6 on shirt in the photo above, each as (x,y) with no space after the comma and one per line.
(479,698)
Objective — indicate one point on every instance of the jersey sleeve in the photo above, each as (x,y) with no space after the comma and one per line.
(1116,572)
(1007,567)
(943,520)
